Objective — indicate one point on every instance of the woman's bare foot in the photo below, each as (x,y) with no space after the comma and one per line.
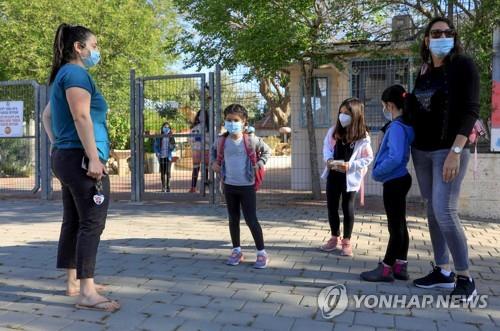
(73,284)
(90,299)
(73,288)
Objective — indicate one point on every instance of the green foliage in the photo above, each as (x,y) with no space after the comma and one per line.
(130,34)
(119,129)
(475,22)
(15,157)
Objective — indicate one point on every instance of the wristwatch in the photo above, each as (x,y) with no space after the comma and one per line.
(457,149)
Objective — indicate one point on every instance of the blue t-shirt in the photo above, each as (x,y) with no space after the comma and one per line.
(63,126)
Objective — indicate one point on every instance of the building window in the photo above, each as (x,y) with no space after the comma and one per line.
(370,77)
(320,101)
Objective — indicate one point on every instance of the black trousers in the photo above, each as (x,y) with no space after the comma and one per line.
(83,220)
(165,171)
(395,192)
(245,197)
(336,188)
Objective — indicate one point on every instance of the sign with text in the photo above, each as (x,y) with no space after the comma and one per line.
(11,118)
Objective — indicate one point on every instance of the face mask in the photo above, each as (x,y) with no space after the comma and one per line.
(345,119)
(233,127)
(441,47)
(92,59)
(387,114)
(166,130)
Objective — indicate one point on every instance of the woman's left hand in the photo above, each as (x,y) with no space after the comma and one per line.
(451,167)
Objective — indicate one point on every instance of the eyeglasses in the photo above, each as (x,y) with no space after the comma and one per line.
(448,33)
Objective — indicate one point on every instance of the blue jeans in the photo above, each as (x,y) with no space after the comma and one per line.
(446,231)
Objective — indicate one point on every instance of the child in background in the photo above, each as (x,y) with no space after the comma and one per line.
(238,175)
(197,147)
(347,153)
(390,169)
(163,148)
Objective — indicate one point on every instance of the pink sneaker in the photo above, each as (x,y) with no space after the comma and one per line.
(346,247)
(330,245)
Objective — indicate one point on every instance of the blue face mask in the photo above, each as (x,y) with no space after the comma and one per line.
(441,47)
(387,114)
(166,130)
(92,59)
(233,127)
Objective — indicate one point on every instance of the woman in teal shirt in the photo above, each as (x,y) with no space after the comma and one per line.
(75,121)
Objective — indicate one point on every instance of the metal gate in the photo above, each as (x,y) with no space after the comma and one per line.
(23,152)
(174,99)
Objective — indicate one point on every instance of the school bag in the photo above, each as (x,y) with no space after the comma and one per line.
(252,155)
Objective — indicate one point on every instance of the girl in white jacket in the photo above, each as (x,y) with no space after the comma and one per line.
(347,153)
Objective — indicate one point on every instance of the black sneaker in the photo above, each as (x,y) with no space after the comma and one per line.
(436,279)
(465,289)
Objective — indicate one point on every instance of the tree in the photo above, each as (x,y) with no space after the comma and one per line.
(475,21)
(130,33)
(268,36)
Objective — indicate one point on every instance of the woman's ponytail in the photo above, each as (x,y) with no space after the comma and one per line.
(66,36)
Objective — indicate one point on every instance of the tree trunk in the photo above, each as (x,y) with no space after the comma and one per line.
(450,10)
(278,106)
(307,71)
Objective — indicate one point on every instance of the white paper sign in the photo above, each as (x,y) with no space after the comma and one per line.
(11,119)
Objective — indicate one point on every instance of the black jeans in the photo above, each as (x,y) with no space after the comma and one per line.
(395,191)
(245,197)
(165,170)
(335,188)
(83,220)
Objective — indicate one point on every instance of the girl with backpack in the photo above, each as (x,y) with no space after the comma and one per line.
(347,153)
(390,168)
(240,160)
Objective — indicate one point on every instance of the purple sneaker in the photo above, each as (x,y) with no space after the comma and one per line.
(262,261)
(235,258)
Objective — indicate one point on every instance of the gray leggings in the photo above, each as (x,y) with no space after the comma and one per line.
(446,231)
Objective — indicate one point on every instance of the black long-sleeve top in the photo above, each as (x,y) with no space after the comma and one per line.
(445,103)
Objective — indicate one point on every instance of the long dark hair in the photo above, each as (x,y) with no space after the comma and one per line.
(425,53)
(398,96)
(66,36)
(357,129)
(197,120)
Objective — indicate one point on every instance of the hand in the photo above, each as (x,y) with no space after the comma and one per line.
(329,164)
(216,167)
(96,169)
(451,167)
(343,167)
(260,165)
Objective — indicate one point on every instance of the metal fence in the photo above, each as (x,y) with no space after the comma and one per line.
(288,170)
(19,137)
(140,105)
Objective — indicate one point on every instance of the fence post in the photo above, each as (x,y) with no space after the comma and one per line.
(44,147)
(133,183)
(217,118)
(495,93)
(211,134)
(203,136)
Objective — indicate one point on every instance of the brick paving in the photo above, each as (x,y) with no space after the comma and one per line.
(164,263)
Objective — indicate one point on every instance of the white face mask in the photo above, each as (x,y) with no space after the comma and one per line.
(345,120)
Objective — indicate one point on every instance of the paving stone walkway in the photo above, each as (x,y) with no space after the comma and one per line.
(164,263)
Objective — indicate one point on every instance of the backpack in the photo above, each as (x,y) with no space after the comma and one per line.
(478,131)
(252,155)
